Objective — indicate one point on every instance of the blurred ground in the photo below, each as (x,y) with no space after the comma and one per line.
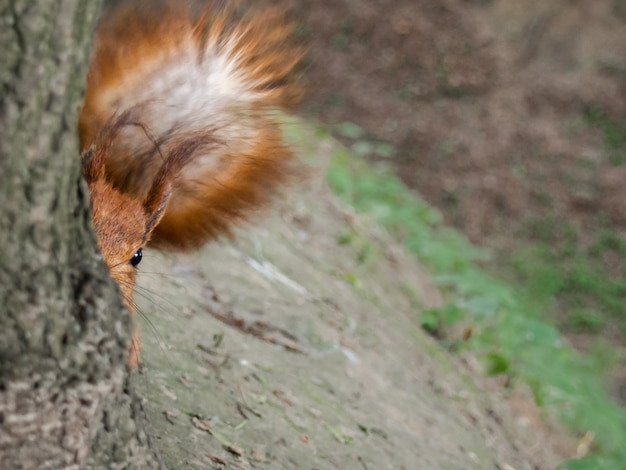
(483,107)
(482,100)
(292,349)
(487,108)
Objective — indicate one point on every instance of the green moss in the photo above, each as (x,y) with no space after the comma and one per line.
(510,333)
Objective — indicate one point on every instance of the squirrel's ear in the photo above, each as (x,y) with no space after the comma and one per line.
(92,165)
(155,203)
(93,161)
(159,194)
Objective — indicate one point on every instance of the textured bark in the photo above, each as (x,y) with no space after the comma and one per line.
(65,395)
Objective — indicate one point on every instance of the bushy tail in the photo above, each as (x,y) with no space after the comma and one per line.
(188,71)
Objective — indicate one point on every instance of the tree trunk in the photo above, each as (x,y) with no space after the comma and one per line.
(65,395)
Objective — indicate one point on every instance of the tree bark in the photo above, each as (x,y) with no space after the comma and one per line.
(65,396)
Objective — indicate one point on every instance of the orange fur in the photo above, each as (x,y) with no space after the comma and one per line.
(177,130)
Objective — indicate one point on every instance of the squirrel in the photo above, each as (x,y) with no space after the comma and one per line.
(179,139)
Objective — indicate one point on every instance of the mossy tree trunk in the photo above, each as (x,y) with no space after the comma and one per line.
(65,395)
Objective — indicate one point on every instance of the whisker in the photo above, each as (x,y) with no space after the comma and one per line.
(160,339)
(144,291)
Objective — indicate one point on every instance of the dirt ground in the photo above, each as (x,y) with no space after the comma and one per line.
(482,100)
(288,350)
(484,105)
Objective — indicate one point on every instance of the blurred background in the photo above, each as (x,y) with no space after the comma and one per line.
(507,116)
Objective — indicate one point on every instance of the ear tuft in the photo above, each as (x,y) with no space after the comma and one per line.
(161,189)
(92,165)
(93,160)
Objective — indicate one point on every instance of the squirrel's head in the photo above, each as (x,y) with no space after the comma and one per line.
(122,222)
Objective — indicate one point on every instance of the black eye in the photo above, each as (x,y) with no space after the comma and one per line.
(136,259)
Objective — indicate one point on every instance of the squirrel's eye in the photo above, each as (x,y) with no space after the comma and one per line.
(136,259)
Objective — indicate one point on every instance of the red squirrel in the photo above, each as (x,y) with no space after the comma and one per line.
(178,133)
